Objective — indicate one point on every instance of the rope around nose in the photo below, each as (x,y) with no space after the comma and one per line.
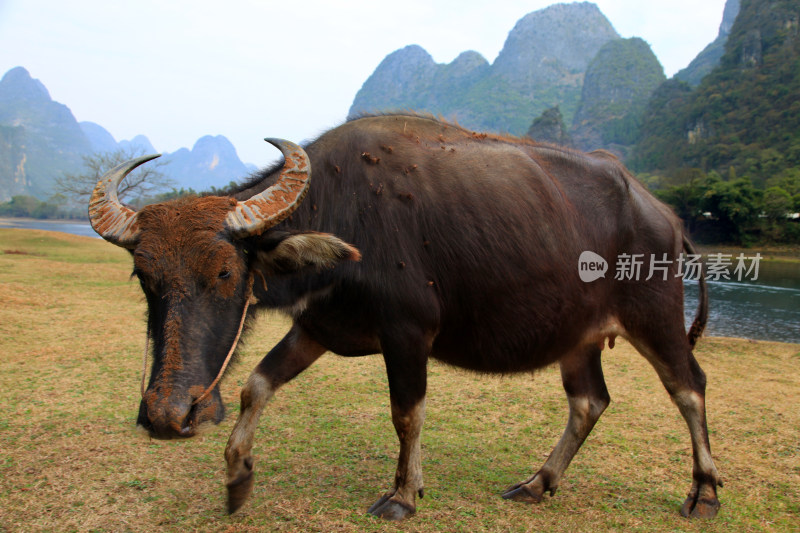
(227,358)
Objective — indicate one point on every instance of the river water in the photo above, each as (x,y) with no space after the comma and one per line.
(765,309)
(74,227)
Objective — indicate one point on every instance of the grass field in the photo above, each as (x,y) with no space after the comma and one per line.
(72,330)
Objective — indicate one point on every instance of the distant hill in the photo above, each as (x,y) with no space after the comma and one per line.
(542,64)
(102,141)
(562,64)
(41,140)
(616,89)
(711,54)
(140,143)
(212,162)
(744,114)
(98,137)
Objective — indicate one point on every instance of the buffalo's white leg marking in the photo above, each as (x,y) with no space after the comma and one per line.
(584,412)
(408,479)
(692,407)
(255,395)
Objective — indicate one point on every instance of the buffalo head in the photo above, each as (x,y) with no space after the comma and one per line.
(196,259)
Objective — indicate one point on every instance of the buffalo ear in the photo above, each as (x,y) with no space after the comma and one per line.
(297,251)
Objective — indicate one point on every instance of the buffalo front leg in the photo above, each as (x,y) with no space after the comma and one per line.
(407,372)
(582,377)
(287,359)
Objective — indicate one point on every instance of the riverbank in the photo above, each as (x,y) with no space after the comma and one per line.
(73,227)
(769,252)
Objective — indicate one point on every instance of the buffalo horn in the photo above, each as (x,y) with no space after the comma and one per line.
(110,219)
(268,208)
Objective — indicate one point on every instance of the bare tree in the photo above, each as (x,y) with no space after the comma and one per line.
(146,180)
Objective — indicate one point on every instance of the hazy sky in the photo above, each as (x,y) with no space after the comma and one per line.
(247,69)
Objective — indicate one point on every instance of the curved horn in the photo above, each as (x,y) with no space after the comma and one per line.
(270,207)
(110,219)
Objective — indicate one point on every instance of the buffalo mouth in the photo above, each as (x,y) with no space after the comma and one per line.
(172,418)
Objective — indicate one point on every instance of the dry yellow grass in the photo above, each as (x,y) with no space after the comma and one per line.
(72,330)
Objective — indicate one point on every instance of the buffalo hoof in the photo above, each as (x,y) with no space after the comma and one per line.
(240,488)
(523,494)
(391,507)
(700,508)
(702,502)
(531,491)
(694,507)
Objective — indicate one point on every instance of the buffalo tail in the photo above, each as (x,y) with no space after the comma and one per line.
(701,317)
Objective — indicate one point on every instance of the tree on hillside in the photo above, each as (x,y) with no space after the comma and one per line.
(144,181)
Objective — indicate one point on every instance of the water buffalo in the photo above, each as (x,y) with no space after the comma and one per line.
(415,238)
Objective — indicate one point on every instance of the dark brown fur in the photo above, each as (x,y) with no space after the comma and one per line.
(468,255)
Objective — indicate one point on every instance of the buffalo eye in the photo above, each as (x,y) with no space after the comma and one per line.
(225,274)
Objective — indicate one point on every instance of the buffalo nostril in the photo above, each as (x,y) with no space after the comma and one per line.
(186,426)
(188,429)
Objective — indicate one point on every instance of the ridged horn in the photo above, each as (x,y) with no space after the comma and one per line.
(268,208)
(109,218)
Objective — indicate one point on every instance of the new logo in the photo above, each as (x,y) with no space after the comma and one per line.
(591,267)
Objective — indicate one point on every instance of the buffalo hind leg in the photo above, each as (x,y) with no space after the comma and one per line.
(685,382)
(293,354)
(406,368)
(582,377)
